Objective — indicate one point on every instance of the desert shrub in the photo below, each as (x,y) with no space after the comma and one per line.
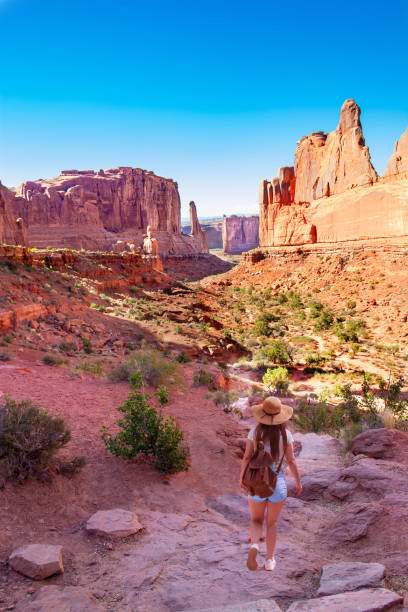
(281,298)
(156,369)
(86,345)
(120,371)
(350,431)
(276,379)
(29,438)
(351,304)
(225,400)
(294,300)
(143,431)
(314,358)
(324,320)
(391,394)
(316,307)
(95,368)
(350,331)
(313,417)
(202,377)
(178,329)
(277,351)
(53,359)
(183,358)
(4,356)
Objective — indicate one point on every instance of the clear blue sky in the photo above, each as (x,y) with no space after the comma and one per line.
(214,94)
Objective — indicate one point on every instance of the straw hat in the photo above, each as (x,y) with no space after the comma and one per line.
(272,411)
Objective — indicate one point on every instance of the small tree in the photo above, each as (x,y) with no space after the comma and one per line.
(143,431)
(276,379)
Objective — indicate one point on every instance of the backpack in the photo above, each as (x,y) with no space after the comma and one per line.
(259,478)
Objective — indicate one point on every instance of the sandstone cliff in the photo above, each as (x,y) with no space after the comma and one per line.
(196,232)
(93,210)
(12,228)
(337,194)
(326,164)
(398,162)
(240,234)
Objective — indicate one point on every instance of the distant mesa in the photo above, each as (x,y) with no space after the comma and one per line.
(97,210)
(333,192)
(240,234)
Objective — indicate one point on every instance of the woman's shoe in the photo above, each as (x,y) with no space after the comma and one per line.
(252,563)
(270,564)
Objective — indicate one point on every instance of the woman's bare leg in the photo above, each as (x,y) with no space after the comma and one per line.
(257,511)
(274,510)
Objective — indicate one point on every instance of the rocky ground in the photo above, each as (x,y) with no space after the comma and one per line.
(191,552)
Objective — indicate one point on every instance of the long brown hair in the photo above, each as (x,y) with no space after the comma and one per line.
(271,434)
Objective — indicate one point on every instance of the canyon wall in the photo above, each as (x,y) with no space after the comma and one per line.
(240,234)
(93,210)
(335,193)
(12,228)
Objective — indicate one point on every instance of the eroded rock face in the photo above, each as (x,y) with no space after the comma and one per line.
(280,222)
(85,209)
(398,162)
(12,227)
(337,194)
(240,234)
(326,164)
(196,230)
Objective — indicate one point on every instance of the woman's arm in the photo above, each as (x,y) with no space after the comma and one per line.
(290,458)
(249,451)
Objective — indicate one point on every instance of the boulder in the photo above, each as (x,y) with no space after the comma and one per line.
(367,600)
(262,605)
(381,444)
(240,234)
(37,561)
(55,599)
(116,523)
(316,483)
(352,523)
(349,576)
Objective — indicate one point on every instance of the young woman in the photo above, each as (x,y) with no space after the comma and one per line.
(271,416)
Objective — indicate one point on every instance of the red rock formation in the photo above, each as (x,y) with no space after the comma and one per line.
(280,221)
(398,162)
(196,230)
(95,210)
(338,195)
(12,229)
(326,164)
(240,234)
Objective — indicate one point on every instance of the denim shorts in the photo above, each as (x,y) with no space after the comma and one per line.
(280,493)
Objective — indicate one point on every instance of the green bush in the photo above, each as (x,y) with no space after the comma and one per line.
(276,379)
(144,431)
(316,307)
(225,400)
(53,359)
(262,324)
(350,331)
(156,369)
(312,417)
(29,438)
(202,377)
(66,347)
(86,345)
(323,321)
(277,351)
(314,358)
(183,358)
(120,372)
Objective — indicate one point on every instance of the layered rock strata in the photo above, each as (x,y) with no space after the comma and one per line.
(93,210)
(12,228)
(240,234)
(336,194)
